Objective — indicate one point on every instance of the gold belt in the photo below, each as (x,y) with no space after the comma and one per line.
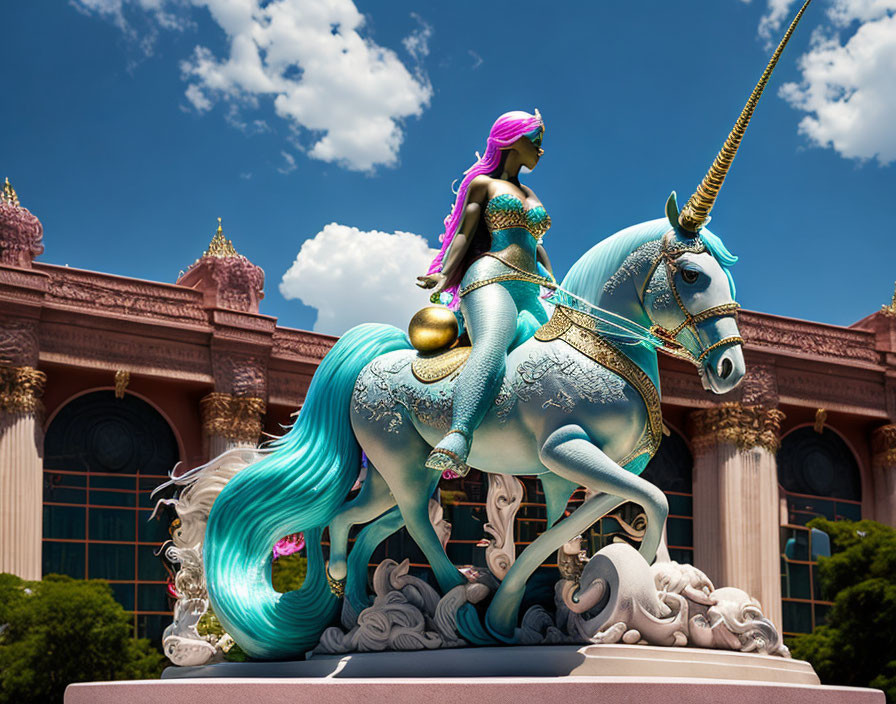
(579,331)
(518,274)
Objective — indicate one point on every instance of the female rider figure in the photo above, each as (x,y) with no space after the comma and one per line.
(492,264)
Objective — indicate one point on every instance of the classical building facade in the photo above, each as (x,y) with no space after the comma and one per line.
(108,382)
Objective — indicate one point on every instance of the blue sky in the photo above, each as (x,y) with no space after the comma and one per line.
(128,142)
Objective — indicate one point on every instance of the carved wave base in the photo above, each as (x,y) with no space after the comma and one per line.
(616,598)
(588,675)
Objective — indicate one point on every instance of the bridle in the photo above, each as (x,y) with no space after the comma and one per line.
(690,321)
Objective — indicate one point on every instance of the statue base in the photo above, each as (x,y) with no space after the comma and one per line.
(590,674)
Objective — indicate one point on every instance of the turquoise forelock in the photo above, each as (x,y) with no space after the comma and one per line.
(297,487)
(725,258)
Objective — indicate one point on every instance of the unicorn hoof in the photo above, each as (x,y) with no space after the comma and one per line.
(337,586)
(449,457)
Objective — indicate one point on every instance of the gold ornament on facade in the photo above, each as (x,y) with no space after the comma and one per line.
(821,415)
(21,389)
(9,195)
(743,426)
(122,379)
(883,446)
(220,246)
(696,211)
(432,329)
(236,418)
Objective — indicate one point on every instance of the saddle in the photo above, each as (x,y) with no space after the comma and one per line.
(433,367)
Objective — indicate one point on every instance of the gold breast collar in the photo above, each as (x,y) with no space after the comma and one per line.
(579,331)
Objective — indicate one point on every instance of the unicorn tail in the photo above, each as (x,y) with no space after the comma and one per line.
(297,487)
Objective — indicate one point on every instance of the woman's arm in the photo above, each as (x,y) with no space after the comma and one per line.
(541,256)
(462,239)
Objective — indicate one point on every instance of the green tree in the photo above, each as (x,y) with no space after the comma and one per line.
(62,630)
(857,646)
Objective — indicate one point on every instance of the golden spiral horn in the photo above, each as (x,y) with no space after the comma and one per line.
(696,210)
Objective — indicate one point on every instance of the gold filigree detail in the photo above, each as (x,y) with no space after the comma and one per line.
(432,369)
(579,331)
(821,415)
(9,195)
(220,246)
(883,446)
(233,417)
(21,389)
(743,426)
(122,379)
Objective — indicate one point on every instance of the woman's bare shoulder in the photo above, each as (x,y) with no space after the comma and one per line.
(480,188)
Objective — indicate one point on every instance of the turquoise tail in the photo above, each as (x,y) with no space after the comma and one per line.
(299,486)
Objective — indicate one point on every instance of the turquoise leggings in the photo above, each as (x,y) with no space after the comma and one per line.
(498,317)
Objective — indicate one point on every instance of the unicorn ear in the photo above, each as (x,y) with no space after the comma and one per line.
(672,210)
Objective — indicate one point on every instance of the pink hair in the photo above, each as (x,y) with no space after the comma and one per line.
(507,129)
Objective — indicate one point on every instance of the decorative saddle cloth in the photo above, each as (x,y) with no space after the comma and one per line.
(435,367)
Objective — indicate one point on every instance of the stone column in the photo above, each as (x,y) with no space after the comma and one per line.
(231,421)
(883,462)
(736,532)
(21,470)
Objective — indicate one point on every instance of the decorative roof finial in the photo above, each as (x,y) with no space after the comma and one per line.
(220,246)
(891,309)
(9,194)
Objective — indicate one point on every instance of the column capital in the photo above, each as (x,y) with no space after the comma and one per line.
(883,446)
(21,389)
(237,418)
(742,425)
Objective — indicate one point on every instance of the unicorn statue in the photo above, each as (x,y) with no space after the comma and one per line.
(578,406)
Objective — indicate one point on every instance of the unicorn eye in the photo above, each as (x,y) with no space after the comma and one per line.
(689,275)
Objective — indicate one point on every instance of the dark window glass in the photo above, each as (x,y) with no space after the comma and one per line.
(112,524)
(797,617)
(63,558)
(152,597)
(64,522)
(124,594)
(150,566)
(110,561)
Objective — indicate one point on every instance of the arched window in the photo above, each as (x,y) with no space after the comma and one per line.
(103,456)
(818,476)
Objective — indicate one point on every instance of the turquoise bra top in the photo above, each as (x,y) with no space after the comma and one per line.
(505,211)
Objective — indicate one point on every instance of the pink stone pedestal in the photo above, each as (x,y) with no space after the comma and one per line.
(593,674)
(487,690)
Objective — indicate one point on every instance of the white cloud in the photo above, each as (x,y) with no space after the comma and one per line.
(771,21)
(417,42)
(847,85)
(352,276)
(289,163)
(344,94)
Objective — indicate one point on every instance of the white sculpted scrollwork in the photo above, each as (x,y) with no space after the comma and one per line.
(505,494)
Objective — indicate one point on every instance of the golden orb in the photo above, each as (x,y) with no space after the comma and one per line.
(432,329)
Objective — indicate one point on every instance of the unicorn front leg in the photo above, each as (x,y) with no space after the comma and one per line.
(569,453)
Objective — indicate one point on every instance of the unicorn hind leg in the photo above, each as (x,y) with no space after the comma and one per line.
(373,500)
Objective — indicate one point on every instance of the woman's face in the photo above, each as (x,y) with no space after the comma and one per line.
(529,147)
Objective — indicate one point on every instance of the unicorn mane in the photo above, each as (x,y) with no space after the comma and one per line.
(588,276)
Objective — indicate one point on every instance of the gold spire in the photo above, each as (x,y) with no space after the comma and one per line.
(220,246)
(9,194)
(891,309)
(696,211)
